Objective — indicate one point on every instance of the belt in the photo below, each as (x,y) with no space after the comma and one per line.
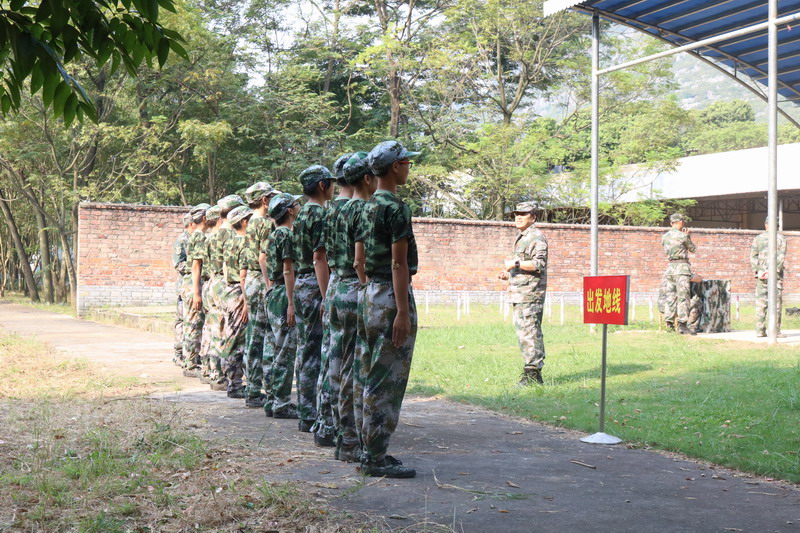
(679,261)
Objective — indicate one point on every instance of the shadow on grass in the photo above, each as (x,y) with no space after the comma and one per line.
(615,369)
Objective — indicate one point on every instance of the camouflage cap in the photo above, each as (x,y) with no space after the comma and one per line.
(356,167)
(239,214)
(213,213)
(676,217)
(281,203)
(258,191)
(199,208)
(314,174)
(525,208)
(187,219)
(338,166)
(385,154)
(230,201)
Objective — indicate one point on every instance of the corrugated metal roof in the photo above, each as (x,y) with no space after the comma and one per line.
(682,22)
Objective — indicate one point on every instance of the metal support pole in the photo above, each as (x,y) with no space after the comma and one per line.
(772,194)
(595,163)
(601,437)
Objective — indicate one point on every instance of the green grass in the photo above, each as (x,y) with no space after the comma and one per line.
(735,404)
(19,298)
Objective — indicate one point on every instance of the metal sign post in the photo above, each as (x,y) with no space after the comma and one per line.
(605,301)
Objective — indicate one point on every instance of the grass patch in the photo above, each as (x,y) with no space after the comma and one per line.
(84,455)
(729,403)
(19,298)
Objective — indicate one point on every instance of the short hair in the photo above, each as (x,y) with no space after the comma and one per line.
(198,217)
(309,190)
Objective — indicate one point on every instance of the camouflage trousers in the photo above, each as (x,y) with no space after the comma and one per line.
(193,321)
(380,368)
(343,326)
(233,335)
(762,305)
(178,344)
(212,334)
(528,323)
(256,293)
(281,349)
(676,297)
(329,363)
(308,308)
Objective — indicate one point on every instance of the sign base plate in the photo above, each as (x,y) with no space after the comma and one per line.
(601,438)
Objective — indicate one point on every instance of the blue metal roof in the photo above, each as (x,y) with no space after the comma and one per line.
(682,22)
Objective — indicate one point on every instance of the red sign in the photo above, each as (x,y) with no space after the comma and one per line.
(605,299)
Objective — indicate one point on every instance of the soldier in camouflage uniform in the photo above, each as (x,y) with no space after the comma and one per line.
(258,230)
(343,308)
(216,260)
(280,344)
(759,263)
(179,264)
(527,275)
(311,284)
(235,309)
(192,298)
(388,318)
(208,373)
(324,429)
(677,244)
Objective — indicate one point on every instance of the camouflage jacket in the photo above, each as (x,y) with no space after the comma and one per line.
(309,236)
(334,240)
(677,246)
(352,215)
(235,257)
(759,253)
(195,250)
(256,238)
(216,248)
(526,286)
(179,254)
(386,220)
(279,247)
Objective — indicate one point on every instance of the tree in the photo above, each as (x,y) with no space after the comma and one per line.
(38,41)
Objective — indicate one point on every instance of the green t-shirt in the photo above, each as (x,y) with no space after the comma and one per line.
(309,236)
(258,231)
(235,258)
(386,220)
(279,247)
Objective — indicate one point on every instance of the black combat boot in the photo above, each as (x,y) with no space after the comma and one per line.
(530,376)
(684,330)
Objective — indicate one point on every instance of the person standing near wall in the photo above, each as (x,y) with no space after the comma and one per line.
(179,264)
(310,287)
(209,373)
(677,244)
(280,345)
(388,311)
(759,262)
(193,298)
(526,272)
(259,227)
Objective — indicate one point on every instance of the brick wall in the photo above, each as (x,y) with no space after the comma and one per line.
(124,256)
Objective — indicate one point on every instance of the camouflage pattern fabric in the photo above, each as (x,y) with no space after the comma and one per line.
(349,225)
(280,340)
(759,262)
(695,322)
(333,241)
(386,219)
(716,305)
(212,336)
(675,281)
(256,294)
(193,320)
(179,264)
(309,235)
(256,239)
(529,286)
(382,369)
(308,311)
(216,248)
(329,362)
(528,323)
(233,333)
(342,313)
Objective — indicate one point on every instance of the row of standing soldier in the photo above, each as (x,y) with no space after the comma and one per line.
(269,291)
(676,300)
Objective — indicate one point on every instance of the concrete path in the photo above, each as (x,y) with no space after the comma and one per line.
(791,336)
(477,470)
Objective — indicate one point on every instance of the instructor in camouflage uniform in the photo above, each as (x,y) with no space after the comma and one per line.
(677,244)
(527,275)
(759,262)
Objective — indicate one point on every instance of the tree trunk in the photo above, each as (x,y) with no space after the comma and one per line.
(393,82)
(19,246)
(44,254)
(212,176)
